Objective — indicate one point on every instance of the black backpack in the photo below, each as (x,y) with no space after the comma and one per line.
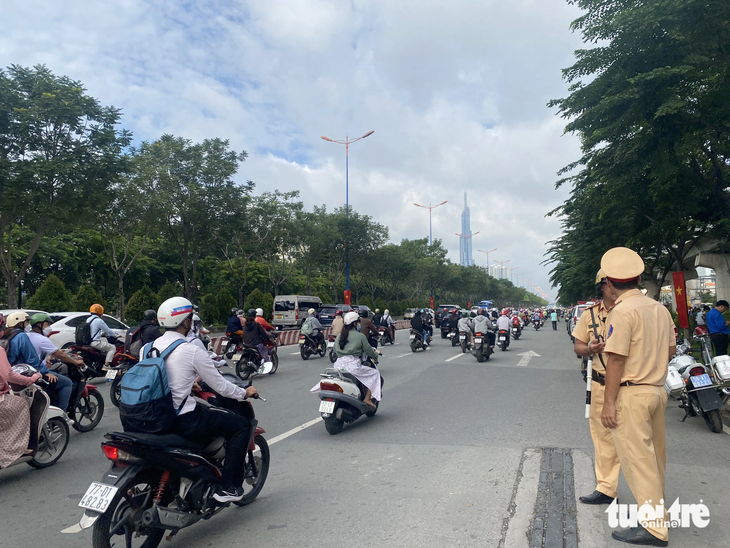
(83,333)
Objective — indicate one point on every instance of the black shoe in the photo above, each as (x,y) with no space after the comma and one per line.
(638,535)
(229,494)
(596,497)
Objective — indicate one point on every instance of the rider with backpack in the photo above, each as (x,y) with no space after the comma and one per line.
(173,410)
(97,328)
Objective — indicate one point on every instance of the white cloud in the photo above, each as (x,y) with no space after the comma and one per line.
(455,91)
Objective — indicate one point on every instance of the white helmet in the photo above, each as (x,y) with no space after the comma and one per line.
(387,312)
(259,311)
(351,318)
(15,318)
(173,312)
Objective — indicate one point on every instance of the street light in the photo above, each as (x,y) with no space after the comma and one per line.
(511,272)
(487,252)
(467,236)
(430,209)
(430,233)
(347,142)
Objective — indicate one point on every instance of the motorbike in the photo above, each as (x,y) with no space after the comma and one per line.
(49,433)
(698,387)
(453,336)
(331,348)
(482,348)
(166,482)
(250,361)
(384,333)
(516,332)
(86,406)
(342,398)
(416,340)
(537,324)
(309,347)
(95,359)
(464,342)
(114,375)
(502,339)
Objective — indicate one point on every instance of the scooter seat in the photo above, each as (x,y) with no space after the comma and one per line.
(350,376)
(159,441)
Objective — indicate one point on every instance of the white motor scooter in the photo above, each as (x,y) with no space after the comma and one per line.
(342,398)
(49,432)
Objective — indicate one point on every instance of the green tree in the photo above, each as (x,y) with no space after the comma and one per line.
(86,296)
(141,300)
(59,151)
(258,299)
(168,291)
(52,296)
(224,302)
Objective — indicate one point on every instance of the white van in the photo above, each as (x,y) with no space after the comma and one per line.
(291,310)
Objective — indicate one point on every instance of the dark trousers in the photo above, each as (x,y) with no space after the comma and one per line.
(204,425)
(373,342)
(719,341)
(555,326)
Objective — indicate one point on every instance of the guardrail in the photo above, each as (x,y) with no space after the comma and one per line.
(288,338)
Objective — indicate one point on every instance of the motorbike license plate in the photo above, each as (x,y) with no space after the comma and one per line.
(502,339)
(478,341)
(701,380)
(98,497)
(413,337)
(301,340)
(327,407)
(111,374)
(462,337)
(330,344)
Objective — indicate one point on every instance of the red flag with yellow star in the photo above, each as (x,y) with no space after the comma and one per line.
(680,296)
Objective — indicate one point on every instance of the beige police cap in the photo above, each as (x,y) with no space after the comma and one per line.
(622,264)
(599,277)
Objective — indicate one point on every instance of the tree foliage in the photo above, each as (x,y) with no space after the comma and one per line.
(52,296)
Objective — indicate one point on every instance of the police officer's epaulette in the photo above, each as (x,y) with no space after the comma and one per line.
(594,305)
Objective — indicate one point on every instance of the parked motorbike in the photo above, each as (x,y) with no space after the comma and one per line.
(464,342)
(342,398)
(309,347)
(165,482)
(250,361)
(695,386)
(49,432)
(416,341)
(384,333)
(502,339)
(482,348)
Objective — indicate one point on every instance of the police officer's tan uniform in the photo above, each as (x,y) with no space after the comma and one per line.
(642,330)
(605,456)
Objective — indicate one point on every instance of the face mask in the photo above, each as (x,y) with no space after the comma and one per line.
(47,332)
(191,331)
(27,329)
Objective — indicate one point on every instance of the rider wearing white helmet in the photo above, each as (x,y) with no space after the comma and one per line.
(195,422)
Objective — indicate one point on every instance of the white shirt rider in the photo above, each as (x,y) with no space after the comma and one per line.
(503,322)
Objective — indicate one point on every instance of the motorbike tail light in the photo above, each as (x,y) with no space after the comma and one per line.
(332,387)
(696,371)
(478,334)
(110,452)
(119,456)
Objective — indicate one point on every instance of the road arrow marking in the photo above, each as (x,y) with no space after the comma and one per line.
(526,357)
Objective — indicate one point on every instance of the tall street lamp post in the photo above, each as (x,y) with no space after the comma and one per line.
(487,252)
(430,233)
(347,142)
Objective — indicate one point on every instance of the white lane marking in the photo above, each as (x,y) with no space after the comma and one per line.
(526,357)
(401,356)
(293,431)
(294,354)
(457,356)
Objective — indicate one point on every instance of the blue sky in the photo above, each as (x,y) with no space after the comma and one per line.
(455,91)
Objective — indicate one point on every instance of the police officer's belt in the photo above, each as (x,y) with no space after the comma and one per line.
(601,379)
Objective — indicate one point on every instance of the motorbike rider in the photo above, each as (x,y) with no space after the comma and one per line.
(255,336)
(338,323)
(465,324)
(149,329)
(418,326)
(427,321)
(503,323)
(389,323)
(315,326)
(40,329)
(350,346)
(21,350)
(99,328)
(367,328)
(233,325)
(454,318)
(482,324)
(197,423)
(377,317)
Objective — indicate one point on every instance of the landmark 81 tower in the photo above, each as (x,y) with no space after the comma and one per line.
(465,244)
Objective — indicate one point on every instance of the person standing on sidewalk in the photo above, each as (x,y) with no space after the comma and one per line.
(589,334)
(718,327)
(639,344)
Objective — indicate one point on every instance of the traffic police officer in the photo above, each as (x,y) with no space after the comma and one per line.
(589,334)
(639,343)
